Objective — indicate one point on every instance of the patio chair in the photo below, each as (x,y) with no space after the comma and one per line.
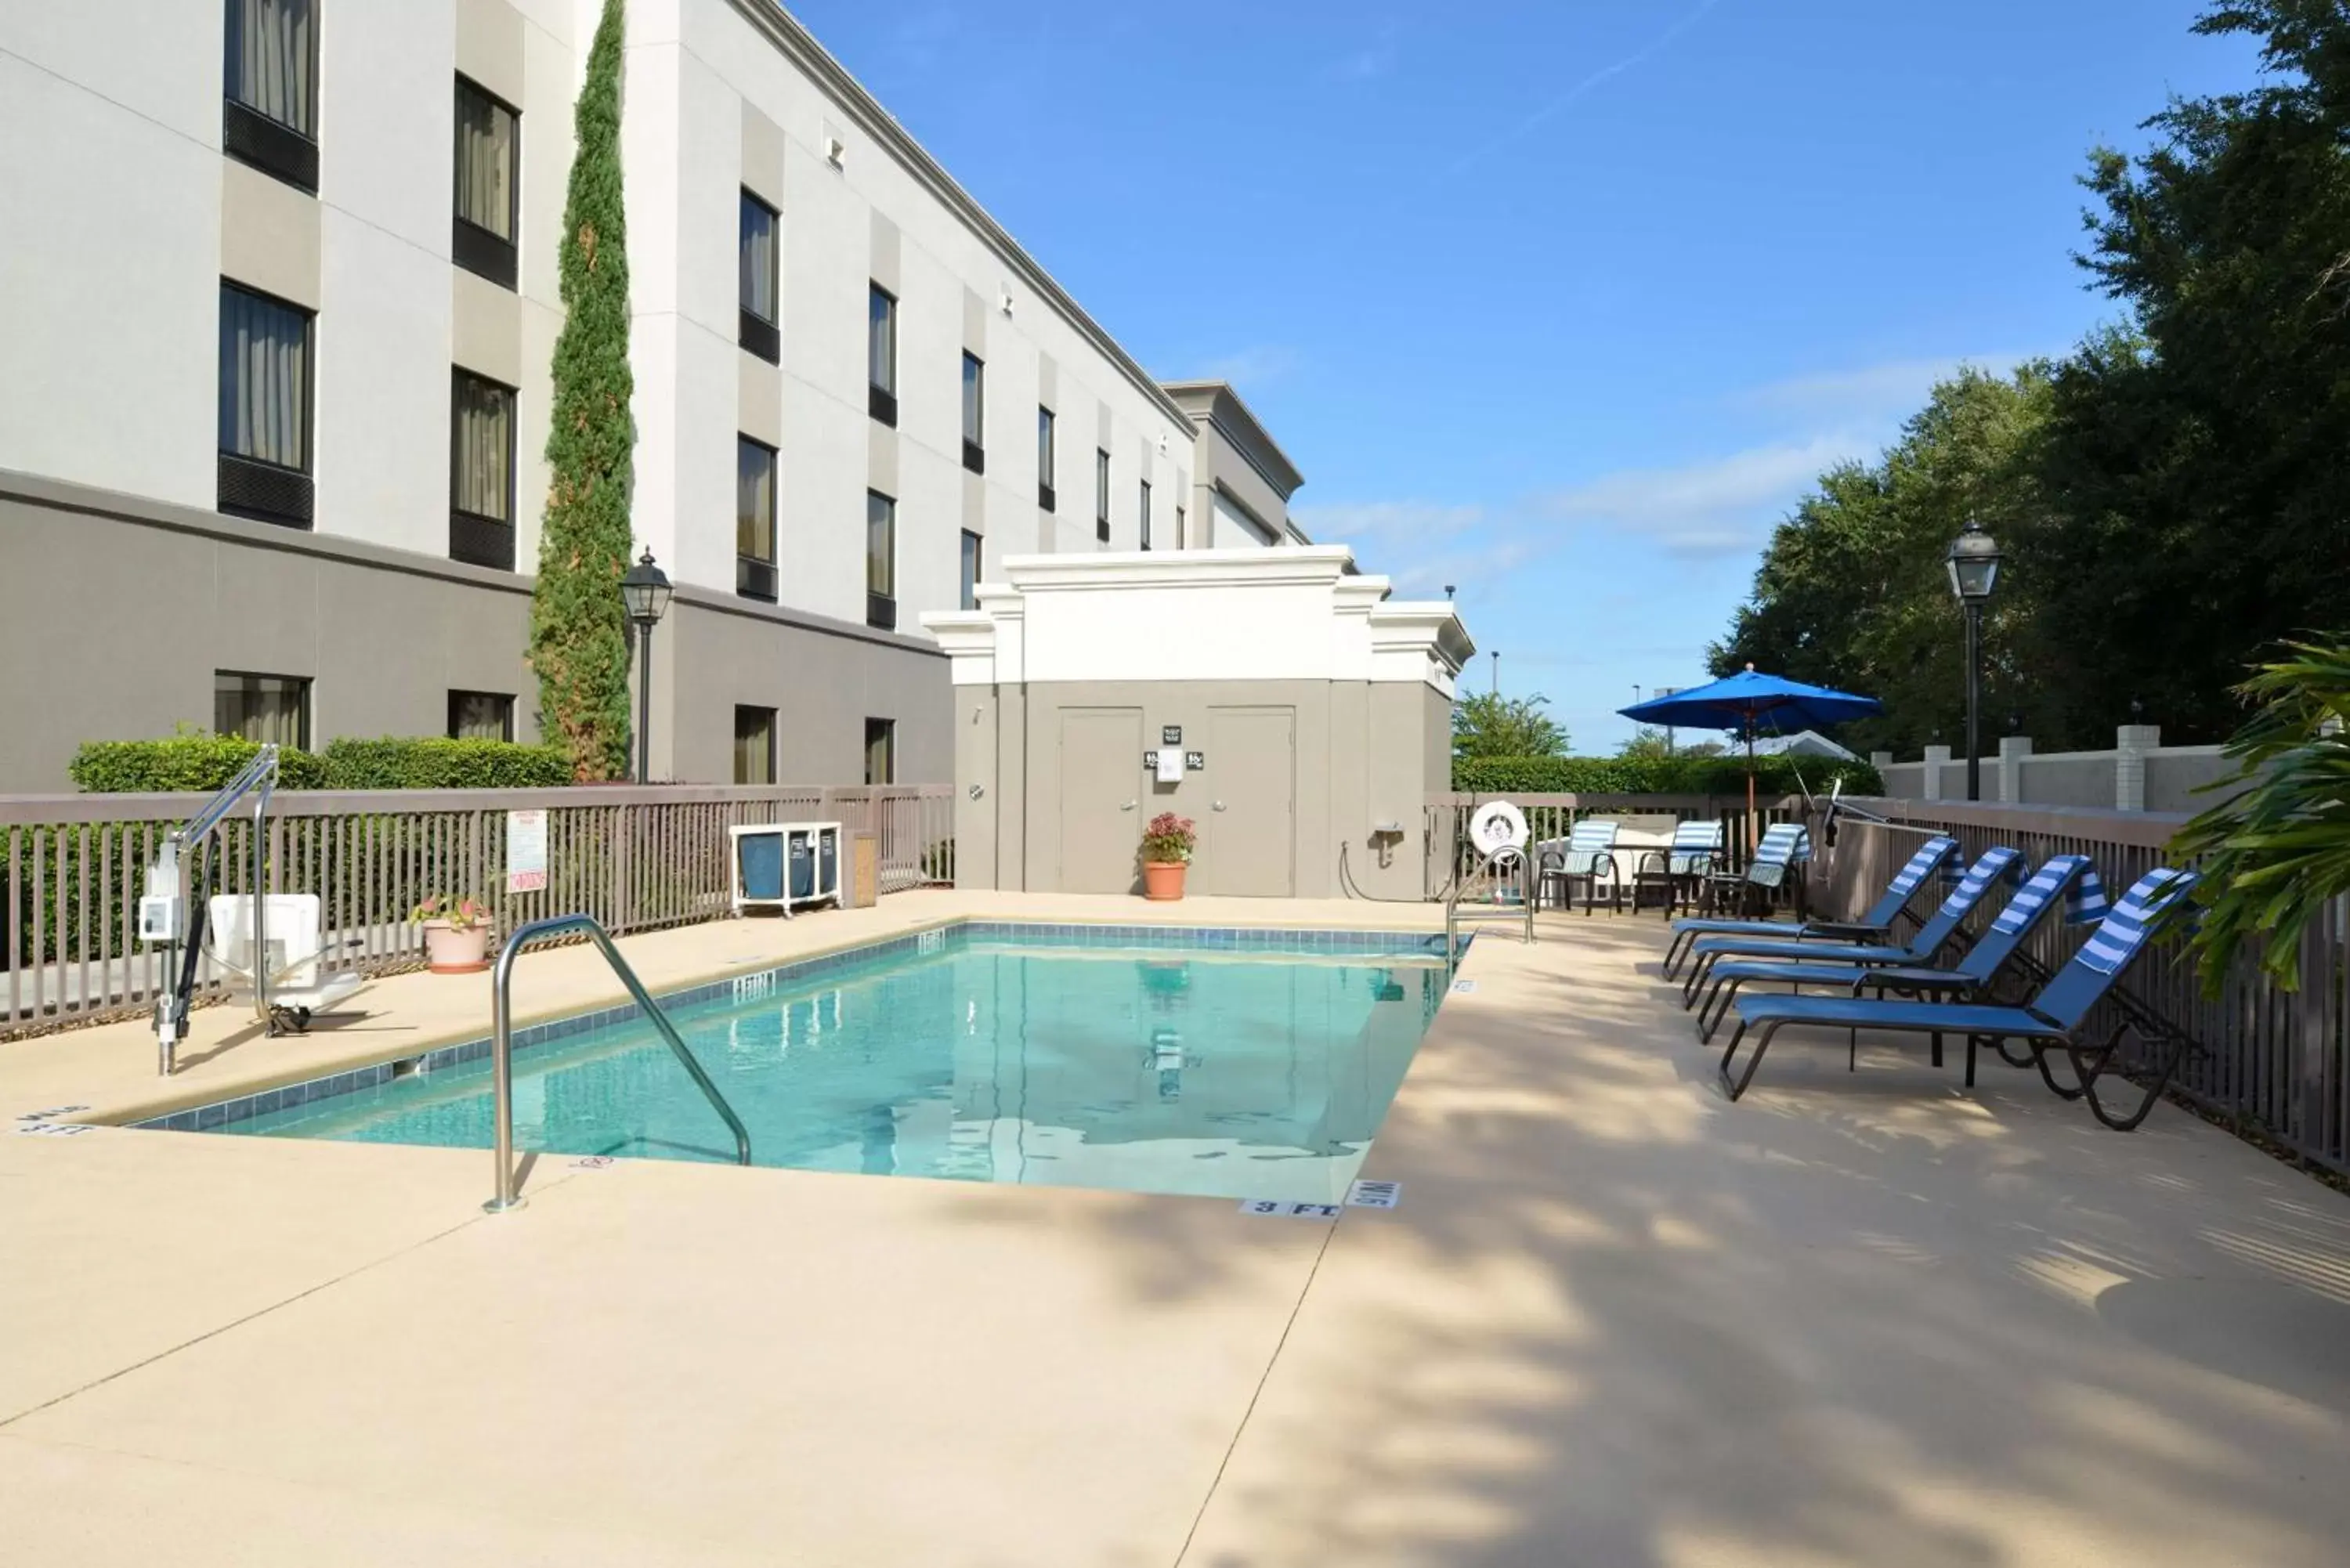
(1970,981)
(2052,1020)
(1995,864)
(1681,869)
(1589,848)
(1875,924)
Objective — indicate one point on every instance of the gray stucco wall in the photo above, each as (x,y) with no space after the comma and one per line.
(119,610)
(1362,755)
(823,678)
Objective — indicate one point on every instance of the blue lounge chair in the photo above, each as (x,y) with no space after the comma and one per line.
(2070,875)
(1875,925)
(2052,1020)
(1921,949)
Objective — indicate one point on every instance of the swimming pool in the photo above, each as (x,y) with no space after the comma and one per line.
(1242,1065)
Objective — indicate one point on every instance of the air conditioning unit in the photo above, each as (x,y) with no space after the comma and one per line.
(783,865)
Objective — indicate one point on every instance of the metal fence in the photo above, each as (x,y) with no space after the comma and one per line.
(636,858)
(2277,1063)
(1451,856)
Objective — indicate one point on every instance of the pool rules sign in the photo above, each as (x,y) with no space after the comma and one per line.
(525,851)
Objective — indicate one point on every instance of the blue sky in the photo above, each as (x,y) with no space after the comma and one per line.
(1564,302)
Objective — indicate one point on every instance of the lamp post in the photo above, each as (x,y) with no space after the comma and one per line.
(1497,672)
(1974,572)
(645,591)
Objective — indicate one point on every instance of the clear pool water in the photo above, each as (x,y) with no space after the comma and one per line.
(1184,1071)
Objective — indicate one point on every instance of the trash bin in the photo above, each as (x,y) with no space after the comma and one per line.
(865,870)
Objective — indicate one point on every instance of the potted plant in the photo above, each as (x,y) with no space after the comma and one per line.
(1166,846)
(456,934)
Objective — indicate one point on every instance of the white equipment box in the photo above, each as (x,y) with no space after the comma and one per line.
(781,865)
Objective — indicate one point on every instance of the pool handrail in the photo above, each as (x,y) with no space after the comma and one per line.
(502,1045)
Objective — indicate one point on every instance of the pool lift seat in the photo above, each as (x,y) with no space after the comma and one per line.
(288,983)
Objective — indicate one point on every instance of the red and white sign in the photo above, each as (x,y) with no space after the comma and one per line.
(525,851)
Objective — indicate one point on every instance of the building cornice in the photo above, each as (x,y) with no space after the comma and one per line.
(1228,414)
(800,46)
(1304,565)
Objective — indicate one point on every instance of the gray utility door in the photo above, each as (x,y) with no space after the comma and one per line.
(1249,834)
(1102,795)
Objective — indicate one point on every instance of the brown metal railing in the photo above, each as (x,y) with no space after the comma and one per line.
(2277,1063)
(1450,855)
(636,860)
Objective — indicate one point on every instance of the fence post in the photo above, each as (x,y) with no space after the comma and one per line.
(2131,744)
(1936,757)
(2012,750)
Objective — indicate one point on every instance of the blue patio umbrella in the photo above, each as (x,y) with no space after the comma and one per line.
(1737,703)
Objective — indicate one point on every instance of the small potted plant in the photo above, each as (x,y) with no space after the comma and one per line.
(1166,846)
(456,934)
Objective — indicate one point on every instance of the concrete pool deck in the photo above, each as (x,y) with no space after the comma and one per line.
(1855,1319)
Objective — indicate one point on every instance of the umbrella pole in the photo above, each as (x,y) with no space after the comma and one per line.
(1751,838)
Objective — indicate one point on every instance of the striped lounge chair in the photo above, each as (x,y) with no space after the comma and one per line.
(2053,1021)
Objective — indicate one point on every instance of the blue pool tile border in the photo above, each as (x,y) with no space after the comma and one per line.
(936,940)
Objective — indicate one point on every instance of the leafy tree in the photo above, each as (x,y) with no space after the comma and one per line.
(1491,725)
(2198,470)
(578,626)
(2278,847)
(1852,591)
(1647,743)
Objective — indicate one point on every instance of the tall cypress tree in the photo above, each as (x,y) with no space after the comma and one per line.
(578,626)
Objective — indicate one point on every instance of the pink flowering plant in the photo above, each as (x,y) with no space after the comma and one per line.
(1168,839)
(458,914)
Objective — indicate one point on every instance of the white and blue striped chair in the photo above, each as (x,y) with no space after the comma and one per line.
(1590,849)
(1683,866)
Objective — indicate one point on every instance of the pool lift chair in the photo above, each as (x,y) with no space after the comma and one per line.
(268,943)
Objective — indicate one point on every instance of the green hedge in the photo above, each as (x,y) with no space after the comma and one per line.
(1722,775)
(434,763)
(193,763)
(197,763)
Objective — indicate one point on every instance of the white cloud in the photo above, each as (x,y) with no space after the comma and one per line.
(1422,545)
(1250,367)
(1887,392)
(1715,506)
(1374,59)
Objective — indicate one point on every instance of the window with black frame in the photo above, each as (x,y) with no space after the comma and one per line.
(269,88)
(481,715)
(881,561)
(1101,495)
(881,354)
(489,164)
(265,408)
(760,289)
(975,413)
(1044,494)
(270,709)
(972,549)
(755,745)
(481,471)
(880,750)
(755,519)
(1145,514)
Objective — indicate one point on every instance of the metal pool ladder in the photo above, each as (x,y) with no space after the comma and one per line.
(502,1045)
(1506,862)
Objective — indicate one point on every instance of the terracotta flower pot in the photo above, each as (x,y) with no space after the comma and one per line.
(450,951)
(1163,879)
